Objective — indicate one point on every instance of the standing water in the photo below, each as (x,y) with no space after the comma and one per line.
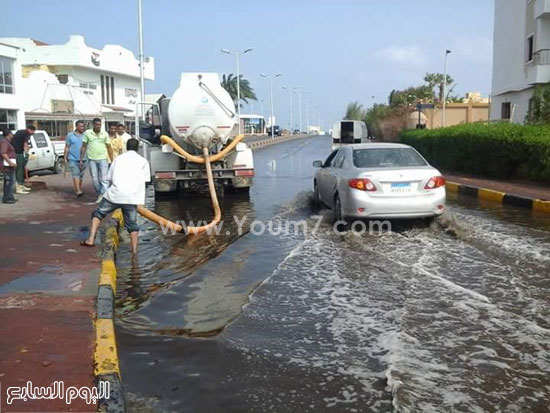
(453,316)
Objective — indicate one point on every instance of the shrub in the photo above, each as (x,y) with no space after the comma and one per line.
(503,150)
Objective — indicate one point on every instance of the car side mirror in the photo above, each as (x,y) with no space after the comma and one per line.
(317,164)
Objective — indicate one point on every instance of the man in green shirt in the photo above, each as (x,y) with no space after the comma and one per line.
(96,146)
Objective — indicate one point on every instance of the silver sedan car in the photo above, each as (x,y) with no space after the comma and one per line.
(379,180)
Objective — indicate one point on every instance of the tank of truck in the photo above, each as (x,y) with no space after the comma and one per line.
(201,113)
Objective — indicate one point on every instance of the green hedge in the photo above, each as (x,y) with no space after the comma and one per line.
(500,150)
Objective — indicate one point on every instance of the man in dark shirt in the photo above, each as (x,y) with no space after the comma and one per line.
(21,146)
(7,166)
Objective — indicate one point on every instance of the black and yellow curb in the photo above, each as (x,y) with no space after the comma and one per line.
(106,366)
(500,197)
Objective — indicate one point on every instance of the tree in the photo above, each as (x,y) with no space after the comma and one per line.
(354,111)
(539,105)
(436,79)
(410,96)
(229,83)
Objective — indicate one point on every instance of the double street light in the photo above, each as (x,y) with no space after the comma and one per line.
(296,90)
(271,87)
(290,91)
(237,55)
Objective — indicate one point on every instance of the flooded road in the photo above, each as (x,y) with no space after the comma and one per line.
(455,316)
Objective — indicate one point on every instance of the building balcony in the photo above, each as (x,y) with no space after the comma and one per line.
(542,8)
(539,70)
(542,57)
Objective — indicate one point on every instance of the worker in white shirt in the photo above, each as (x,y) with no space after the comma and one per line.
(127,177)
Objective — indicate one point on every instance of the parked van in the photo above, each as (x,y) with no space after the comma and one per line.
(349,131)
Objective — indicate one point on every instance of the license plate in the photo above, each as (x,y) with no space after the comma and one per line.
(401,187)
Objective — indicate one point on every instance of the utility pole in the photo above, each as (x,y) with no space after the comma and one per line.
(444,89)
(289,108)
(299,104)
(271,123)
(237,55)
(141,74)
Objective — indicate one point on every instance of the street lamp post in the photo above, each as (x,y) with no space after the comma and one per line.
(289,108)
(141,62)
(237,55)
(307,117)
(299,104)
(271,88)
(444,97)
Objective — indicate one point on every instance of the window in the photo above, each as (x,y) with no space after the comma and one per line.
(530,48)
(6,77)
(112,90)
(102,89)
(8,119)
(339,160)
(107,90)
(387,158)
(330,158)
(506,111)
(40,140)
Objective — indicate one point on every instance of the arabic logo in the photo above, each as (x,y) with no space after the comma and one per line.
(95,58)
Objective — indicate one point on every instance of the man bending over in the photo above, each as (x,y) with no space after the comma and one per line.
(126,178)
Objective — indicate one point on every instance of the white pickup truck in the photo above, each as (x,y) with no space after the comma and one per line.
(45,153)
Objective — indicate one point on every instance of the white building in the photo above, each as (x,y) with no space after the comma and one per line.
(63,83)
(12,114)
(521,55)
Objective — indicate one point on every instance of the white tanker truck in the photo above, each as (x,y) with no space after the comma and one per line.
(200,114)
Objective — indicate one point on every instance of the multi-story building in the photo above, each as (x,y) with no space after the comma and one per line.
(521,56)
(12,114)
(63,83)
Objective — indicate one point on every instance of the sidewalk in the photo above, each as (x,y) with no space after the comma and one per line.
(48,286)
(519,193)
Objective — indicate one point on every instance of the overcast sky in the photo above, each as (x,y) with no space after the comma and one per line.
(337,51)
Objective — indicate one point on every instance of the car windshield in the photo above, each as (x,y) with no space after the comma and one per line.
(387,158)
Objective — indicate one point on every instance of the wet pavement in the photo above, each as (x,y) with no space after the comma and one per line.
(453,316)
(48,285)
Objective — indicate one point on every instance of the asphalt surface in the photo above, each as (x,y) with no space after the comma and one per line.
(454,316)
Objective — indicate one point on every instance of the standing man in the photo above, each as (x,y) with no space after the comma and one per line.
(73,145)
(121,133)
(127,177)
(21,146)
(7,166)
(96,146)
(117,144)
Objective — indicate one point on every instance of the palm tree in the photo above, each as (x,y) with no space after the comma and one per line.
(229,83)
(436,79)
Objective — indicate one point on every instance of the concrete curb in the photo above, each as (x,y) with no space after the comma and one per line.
(269,141)
(500,197)
(106,366)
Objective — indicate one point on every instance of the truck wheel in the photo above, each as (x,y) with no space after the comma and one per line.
(59,166)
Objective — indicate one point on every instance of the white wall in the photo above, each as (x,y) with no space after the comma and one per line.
(509,71)
(521,99)
(14,101)
(111,59)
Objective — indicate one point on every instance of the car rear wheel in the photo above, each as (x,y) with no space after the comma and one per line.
(339,216)
(59,166)
(316,196)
